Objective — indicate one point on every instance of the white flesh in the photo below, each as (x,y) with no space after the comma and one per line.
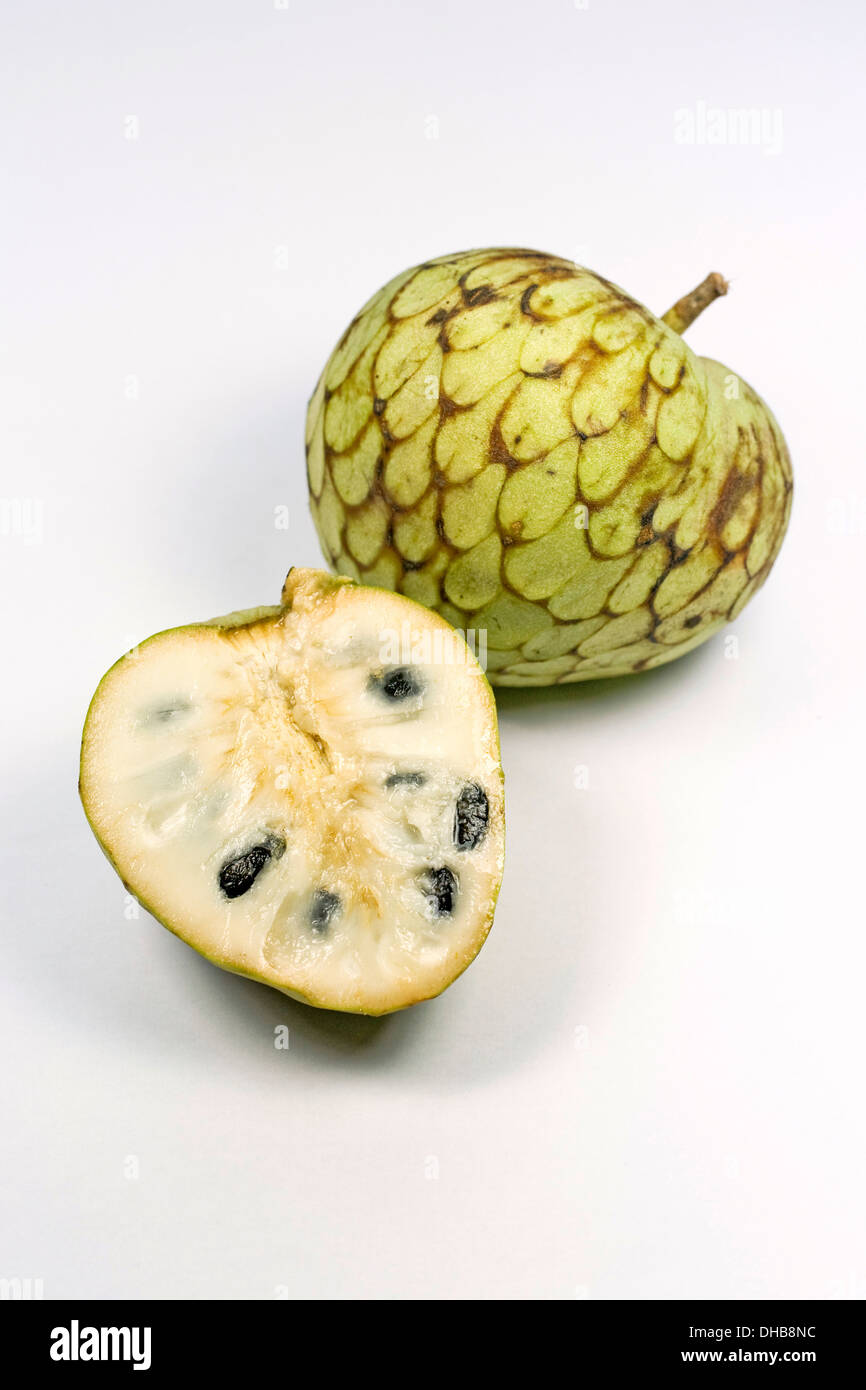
(209,740)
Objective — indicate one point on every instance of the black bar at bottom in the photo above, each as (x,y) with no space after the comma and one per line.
(68,1337)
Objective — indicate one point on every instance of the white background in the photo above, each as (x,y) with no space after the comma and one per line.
(649,1085)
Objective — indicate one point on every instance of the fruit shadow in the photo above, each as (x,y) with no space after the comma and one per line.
(434,1043)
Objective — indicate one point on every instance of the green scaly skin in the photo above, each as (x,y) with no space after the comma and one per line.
(513,441)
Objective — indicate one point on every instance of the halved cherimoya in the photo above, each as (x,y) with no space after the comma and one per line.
(309,794)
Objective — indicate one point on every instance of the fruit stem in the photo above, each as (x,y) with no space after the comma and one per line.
(686,310)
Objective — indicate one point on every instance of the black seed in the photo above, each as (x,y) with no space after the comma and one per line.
(238,875)
(323,909)
(405,779)
(471,815)
(397,684)
(439,887)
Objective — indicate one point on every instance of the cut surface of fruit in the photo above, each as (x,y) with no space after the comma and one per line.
(310,795)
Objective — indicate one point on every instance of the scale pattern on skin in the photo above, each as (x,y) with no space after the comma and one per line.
(515,442)
(300,802)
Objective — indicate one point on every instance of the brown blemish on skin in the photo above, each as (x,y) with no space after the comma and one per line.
(379,405)
(482,294)
(734,489)
(693,621)
(526,307)
(646,534)
(548,371)
(447,407)
(499,451)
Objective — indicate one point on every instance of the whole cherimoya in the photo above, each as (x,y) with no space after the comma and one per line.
(515,442)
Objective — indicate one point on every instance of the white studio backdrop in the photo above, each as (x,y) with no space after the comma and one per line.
(649,1085)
